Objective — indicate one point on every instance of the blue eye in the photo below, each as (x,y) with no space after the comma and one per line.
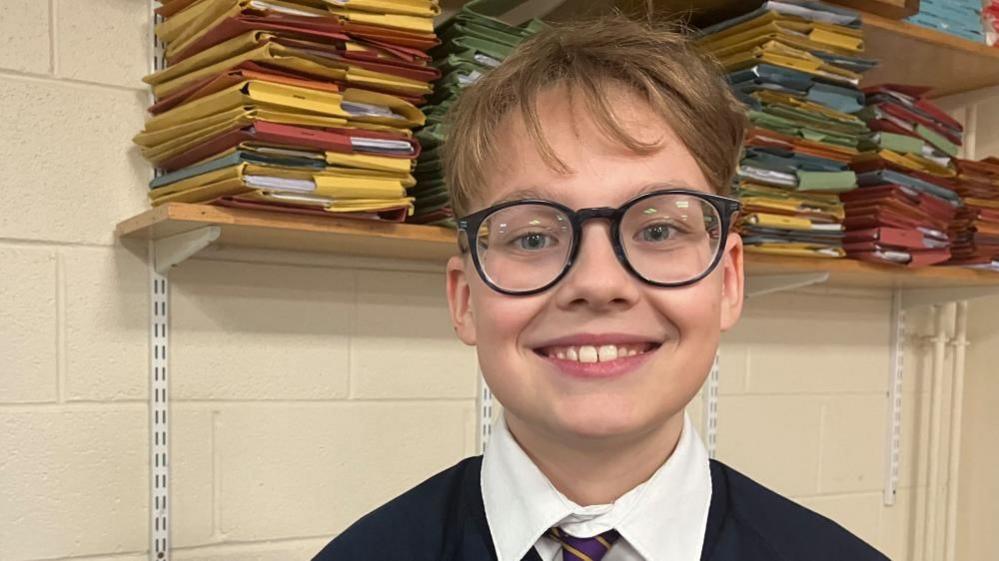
(534,241)
(657,233)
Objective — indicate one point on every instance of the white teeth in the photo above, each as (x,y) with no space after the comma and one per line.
(587,353)
(593,353)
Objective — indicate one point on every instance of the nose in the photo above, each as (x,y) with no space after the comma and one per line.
(597,279)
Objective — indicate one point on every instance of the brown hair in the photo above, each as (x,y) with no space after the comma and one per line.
(657,61)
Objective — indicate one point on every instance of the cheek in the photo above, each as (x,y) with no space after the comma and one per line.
(500,321)
(694,311)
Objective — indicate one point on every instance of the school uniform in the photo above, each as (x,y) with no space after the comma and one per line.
(500,507)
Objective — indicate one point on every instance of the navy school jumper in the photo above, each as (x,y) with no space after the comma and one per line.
(443,519)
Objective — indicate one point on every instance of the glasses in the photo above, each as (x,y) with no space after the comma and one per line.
(666,238)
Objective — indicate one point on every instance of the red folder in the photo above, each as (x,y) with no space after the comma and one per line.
(403,44)
(231,27)
(901,112)
(247,70)
(918,96)
(896,237)
(880,218)
(879,192)
(371,61)
(333,140)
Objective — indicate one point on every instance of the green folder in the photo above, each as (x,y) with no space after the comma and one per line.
(937,140)
(903,144)
(827,181)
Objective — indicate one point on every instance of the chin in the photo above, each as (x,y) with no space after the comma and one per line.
(606,422)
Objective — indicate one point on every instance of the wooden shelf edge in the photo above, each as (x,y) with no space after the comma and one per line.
(436,244)
(144,224)
(855,272)
(927,35)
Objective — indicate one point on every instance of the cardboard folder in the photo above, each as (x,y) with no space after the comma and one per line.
(264,48)
(911,258)
(244,177)
(312,207)
(886,236)
(241,73)
(797,250)
(268,133)
(402,45)
(351,105)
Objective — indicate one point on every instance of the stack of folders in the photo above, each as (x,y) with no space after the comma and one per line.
(473,42)
(303,106)
(796,65)
(906,201)
(962,18)
(976,227)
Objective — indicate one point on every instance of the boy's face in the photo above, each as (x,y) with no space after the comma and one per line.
(598,299)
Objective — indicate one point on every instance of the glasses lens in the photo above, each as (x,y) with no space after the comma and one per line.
(524,247)
(671,238)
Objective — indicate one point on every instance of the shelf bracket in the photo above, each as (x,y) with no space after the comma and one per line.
(895,373)
(174,250)
(769,284)
(919,297)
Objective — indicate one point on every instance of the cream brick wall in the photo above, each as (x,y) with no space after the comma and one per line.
(978,522)
(306,392)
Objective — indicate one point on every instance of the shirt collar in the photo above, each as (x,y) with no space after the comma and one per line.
(663,518)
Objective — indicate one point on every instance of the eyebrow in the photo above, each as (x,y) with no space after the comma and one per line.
(546,195)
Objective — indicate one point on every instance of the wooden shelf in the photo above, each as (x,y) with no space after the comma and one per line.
(911,54)
(275,230)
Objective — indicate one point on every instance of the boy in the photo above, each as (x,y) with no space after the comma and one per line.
(596,273)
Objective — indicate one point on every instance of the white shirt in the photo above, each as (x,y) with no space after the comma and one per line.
(662,519)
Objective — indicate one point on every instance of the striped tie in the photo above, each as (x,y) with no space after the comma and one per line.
(583,549)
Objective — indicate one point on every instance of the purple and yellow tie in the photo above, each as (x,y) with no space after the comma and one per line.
(584,549)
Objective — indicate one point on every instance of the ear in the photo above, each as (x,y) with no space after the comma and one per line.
(459,299)
(733,282)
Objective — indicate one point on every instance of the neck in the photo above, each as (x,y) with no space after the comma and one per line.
(592,472)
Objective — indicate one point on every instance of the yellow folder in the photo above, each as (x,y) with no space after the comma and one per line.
(201,129)
(370,162)
(986,203)
(797,250)
(424,24)
(204,16)
(374,166)
(192,22)
(246,177)
(834,36)
(779,54)
(353,105)
(914,162)
(419,8)
(813,210)
(767,220)
(723,46)
(328,204)
(258,47)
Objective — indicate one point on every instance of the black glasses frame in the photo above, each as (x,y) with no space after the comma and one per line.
(470,224)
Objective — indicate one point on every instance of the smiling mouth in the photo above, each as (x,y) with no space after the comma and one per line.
(589,354)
